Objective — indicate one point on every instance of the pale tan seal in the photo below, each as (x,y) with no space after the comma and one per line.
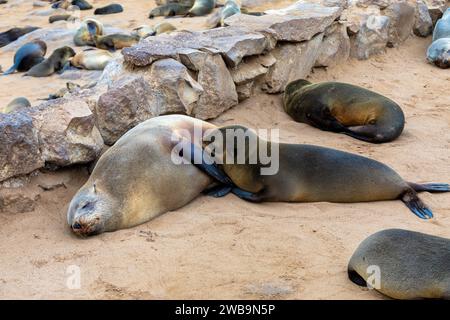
(136,180)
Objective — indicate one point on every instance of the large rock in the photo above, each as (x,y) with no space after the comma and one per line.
(354,17)
(232,43)
(423,25)
(124,105)
(219,90)
(436,9)
(67,132)
(294,61)
(372,38)
(296,23)
(335,47)
(252,68)
(402,18)
(19,145)
(379,3)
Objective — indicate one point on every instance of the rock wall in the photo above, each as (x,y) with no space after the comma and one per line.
(203,74)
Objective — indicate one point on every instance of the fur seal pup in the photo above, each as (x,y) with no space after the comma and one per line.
(218,19)
(411,265)
(169,10)
(91,59)
(16,104)
(306,173)
(344,108)
(136,179)
(13,34)
(82,4)
(59,17)
(438,52)
(27,56)
(83,37)
(159,28)
(56,62)
(109,9)
(202,8)
(113,41)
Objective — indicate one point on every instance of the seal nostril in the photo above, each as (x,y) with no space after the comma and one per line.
(76,226)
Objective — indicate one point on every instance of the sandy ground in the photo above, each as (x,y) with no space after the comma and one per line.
(229,248)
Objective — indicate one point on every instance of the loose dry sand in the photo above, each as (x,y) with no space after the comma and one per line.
(229,248)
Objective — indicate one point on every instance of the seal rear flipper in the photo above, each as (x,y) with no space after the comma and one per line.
(412,201)
(430,187)
(10,70)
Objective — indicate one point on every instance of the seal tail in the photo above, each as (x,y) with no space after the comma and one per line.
(430,187)
(412,201)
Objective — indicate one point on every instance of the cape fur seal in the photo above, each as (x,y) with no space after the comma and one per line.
(56,62)
(145,31)
(83,37)
(109,9)
(202,7)
(344,108)
(169,10)
(13,34)
(27,56)
(82,4)
(91,59)
(306,173)
(438,52)
(218,19)
(59,17)
(136,179)
(16,104)
(410,265)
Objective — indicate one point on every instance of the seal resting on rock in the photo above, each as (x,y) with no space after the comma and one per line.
(344,108)
(136,179)
(91,59)
(305,173)
(438,52)
(411,265)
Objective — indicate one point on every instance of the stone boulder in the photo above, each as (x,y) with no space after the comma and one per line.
(335,47)
(294,61)
(232,43)
(379,3)
(402,19)
(19,145)
(372,38)
(67,132)
(423,25)
(296,23)
(123,106)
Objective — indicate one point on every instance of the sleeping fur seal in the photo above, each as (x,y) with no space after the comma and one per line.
(13,34)
(306,173)
(28,55)
(411,265)
(344,108)
(91,59)
(169,10)
(136,180)
(109,9)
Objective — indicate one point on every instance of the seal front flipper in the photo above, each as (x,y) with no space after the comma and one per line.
(204,162)
(218,191)
(412,201)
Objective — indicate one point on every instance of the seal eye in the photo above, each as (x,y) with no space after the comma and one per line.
(373,121)
(308,115)
(87,206)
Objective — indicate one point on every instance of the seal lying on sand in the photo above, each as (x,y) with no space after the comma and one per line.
(109,9)
(13,34)
(438,52)
(169,10)
(136,180)
(16,104)
(82,4)
(306,173)
(83,37)
(57,61)
(411,265)
(202,8)
(344,108)
(27,56)
(91,59)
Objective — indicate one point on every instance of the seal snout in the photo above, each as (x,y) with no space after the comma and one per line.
(86,225)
